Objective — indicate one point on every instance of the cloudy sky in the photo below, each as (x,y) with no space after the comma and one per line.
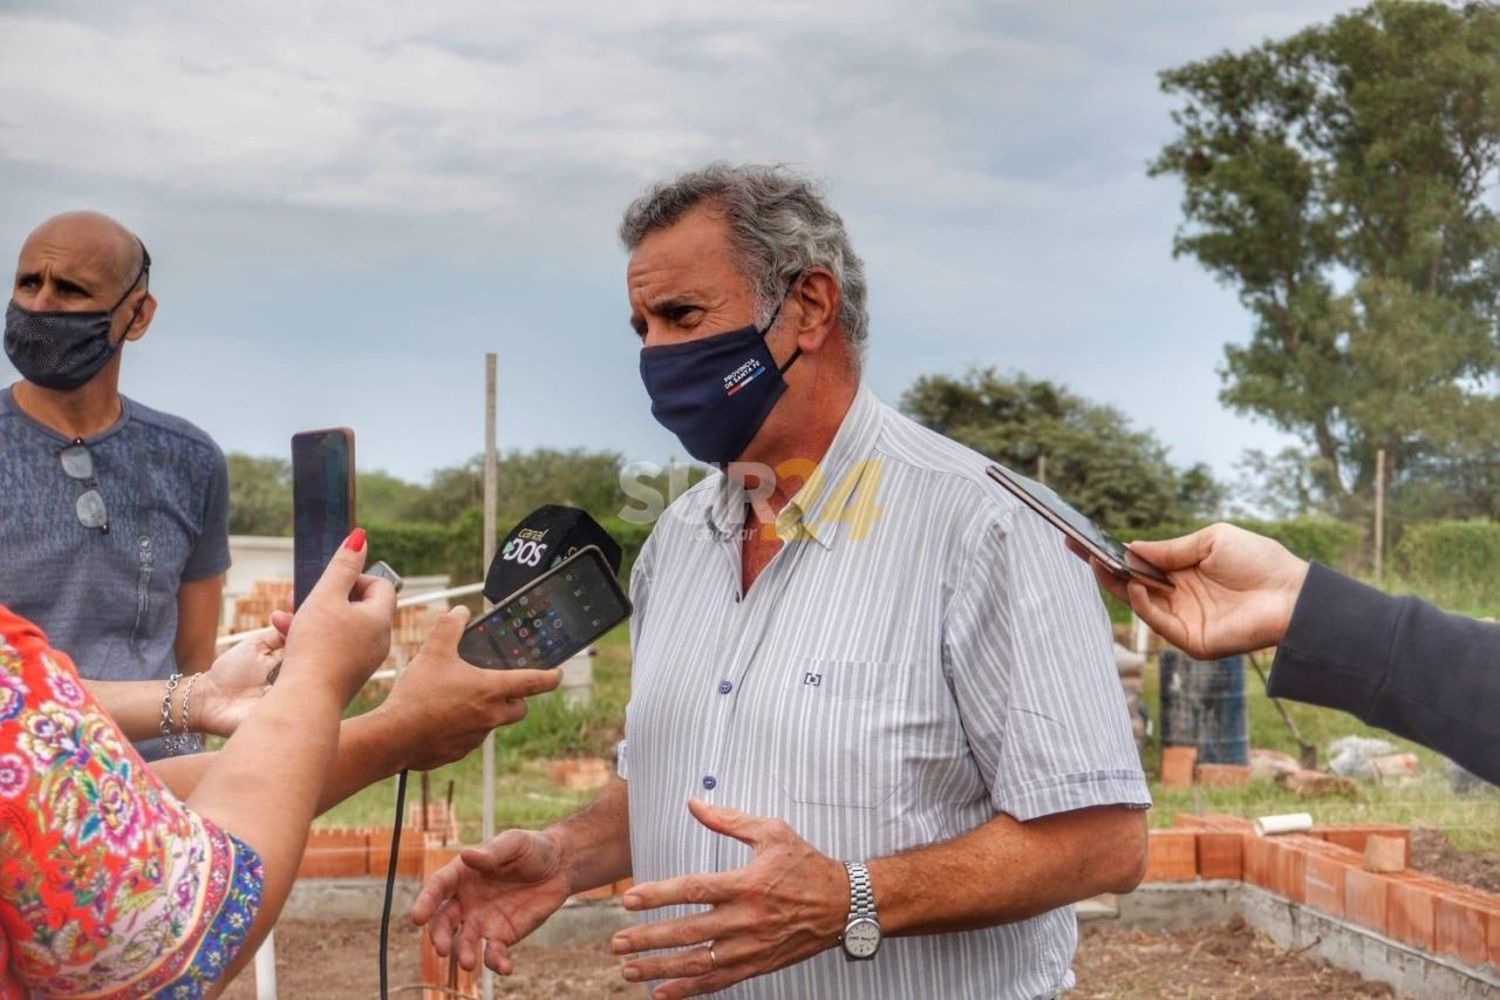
(349,203)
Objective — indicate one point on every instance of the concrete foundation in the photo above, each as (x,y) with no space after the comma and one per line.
(1157,907)
(322,900)
(581,923)
(1169,907)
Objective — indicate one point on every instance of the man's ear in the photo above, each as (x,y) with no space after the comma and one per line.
(144,311)
(818,297)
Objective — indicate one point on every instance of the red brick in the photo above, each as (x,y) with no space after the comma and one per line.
(1461,927)
(1325,881)
(1488,903)
(435,855)
(1289,866)
(1354,835)
(1385,854)
(1365,899)
(1257,855)
(1494,940)
(1220,855)
(1191,821)
(409,858)
(1223,821)
(443,976)
(1223,775)
(1410,909)
(335,853)
(1171,856)
(1177,766)
(1317,784)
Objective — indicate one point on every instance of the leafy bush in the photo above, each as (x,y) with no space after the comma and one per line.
(1456,564)
(1332,543)
(412,549)
(417,549)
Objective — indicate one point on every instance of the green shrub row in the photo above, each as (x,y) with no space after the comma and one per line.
(416,549)
(1455,564)
(1333,543)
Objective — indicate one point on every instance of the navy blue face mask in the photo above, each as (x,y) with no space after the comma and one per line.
(714,393)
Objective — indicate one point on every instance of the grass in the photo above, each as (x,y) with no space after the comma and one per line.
(524,797)
(1472,821)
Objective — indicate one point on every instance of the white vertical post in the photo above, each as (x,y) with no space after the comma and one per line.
(491,500)
(265,968)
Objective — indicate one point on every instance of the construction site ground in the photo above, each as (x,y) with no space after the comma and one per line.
(336,961)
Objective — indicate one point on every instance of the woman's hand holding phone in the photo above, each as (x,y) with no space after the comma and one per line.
(342,632)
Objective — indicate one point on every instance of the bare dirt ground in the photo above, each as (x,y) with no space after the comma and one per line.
(1229,961)
(1431,853)
(337,962)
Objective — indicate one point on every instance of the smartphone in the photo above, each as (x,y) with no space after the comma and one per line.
(322,503)
(550,619)
(1110,551)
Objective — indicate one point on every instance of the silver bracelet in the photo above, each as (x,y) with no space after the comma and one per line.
(169,742)
(189,741)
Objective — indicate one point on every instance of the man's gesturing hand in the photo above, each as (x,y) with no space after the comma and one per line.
(1235,590)
(497,893)
(787,905)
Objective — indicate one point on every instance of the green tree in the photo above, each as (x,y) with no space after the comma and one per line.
(526,480)
(1340,180)
(1117,475)
(260,495)
(385,498)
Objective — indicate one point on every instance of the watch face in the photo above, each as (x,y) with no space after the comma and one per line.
(861,938)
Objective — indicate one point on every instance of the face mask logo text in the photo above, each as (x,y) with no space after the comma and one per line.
(743,376)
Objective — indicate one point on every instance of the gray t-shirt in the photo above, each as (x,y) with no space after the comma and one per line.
(109,600)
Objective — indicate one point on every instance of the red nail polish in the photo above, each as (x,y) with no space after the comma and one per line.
(356,540)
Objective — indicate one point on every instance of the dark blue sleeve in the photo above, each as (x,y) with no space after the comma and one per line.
(1397,663)
(210,555)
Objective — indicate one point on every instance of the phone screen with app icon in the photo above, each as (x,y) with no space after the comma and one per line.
(549,620)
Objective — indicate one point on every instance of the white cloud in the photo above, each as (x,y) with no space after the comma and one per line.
(988,157)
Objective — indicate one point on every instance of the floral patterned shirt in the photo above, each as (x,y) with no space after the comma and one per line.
(109,885)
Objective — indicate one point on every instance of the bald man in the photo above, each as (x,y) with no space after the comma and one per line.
(115,532)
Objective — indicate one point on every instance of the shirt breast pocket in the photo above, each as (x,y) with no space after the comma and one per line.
(840,734)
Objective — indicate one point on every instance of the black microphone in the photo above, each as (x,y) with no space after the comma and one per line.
(541,540)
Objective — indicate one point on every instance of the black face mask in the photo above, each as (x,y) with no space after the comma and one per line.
(63,350)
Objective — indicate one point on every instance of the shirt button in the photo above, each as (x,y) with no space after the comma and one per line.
(725,687)
(709,782)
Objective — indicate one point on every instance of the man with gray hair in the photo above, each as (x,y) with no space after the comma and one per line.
(875,745)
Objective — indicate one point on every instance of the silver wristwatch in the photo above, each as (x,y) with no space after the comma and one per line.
(861,937)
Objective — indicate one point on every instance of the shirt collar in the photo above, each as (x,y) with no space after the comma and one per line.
(9,406)
(831,496)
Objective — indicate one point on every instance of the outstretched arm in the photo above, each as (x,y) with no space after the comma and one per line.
(1395,662)
(222,697)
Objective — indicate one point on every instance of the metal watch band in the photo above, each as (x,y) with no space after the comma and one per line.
(861,895)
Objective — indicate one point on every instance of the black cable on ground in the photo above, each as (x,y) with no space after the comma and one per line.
(390,885)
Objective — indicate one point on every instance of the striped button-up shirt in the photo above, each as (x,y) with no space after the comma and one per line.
(921,655)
